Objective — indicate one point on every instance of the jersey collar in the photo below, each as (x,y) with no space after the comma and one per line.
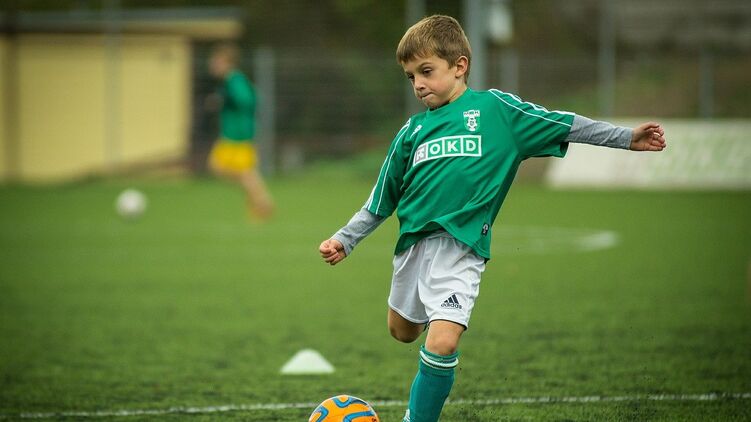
(448,107)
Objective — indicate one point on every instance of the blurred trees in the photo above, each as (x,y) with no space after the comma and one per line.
(667,50)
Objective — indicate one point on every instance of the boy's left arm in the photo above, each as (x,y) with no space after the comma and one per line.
(648,136)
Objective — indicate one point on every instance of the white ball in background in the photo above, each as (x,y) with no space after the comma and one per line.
(131,203)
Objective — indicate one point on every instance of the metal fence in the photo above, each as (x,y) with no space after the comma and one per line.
(329,104)
(319,100)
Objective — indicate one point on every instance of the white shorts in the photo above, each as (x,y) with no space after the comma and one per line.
(438,278)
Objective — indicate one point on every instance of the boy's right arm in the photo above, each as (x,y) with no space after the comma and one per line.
(382,203)
(340,245)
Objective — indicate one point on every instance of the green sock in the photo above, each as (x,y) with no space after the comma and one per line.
(431,386)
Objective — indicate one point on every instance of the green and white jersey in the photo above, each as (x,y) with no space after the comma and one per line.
(451,168)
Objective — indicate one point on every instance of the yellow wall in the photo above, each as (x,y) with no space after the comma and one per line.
(3,108)
(75,119)
(155,98)
(61,106)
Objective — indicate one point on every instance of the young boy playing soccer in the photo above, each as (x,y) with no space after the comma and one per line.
(446,175)
(234,154)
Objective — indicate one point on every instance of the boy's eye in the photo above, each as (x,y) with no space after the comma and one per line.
(426,71)
(411,77)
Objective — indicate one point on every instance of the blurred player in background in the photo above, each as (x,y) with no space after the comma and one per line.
(234,155)
(446,174)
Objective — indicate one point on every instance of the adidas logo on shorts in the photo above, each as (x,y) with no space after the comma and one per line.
(451,302)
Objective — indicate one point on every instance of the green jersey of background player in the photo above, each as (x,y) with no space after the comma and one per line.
(446,175)
(234,154)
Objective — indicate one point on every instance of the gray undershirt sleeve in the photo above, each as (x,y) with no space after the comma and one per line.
(588,131)
(360,225)
(583,130)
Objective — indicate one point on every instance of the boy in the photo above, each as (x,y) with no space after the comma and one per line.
(446,174)
(234,154)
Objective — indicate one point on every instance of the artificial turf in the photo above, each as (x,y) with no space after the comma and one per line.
(193,305)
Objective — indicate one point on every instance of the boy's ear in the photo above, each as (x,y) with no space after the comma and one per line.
(462,65)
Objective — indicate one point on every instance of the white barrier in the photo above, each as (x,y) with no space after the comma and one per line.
(700,154)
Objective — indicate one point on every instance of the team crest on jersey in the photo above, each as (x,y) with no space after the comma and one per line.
(472,120)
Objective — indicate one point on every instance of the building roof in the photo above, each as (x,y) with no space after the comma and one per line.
(198,23)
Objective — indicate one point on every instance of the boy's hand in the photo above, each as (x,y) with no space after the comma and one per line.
(648,136)
(332,251)
(213,103)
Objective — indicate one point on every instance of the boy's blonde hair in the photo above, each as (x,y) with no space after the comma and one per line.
(438,34)
(228,51)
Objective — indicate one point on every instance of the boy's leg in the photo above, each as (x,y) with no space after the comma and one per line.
(258,196)
(402,329)
(406,316)
(435,375)
(448,289)
(443,337)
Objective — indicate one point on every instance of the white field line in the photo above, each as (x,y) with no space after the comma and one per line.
(377,404)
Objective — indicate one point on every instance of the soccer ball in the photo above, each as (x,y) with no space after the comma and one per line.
(344,408)
(130,204)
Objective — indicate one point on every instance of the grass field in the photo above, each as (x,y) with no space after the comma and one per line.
(194,306)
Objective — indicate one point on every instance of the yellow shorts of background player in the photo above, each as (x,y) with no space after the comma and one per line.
(233,156)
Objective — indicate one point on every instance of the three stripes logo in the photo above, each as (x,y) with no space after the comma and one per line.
(451,302)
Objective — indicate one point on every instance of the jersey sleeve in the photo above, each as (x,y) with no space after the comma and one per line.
(388,188)
(536,131)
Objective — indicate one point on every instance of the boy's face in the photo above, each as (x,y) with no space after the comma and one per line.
(435,81)
(219,65)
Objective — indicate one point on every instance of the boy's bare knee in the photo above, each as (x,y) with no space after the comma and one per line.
(402,329)
(443,337)
(442,345)
(404,336)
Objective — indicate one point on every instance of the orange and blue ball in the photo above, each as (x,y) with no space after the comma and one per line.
(344,408)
